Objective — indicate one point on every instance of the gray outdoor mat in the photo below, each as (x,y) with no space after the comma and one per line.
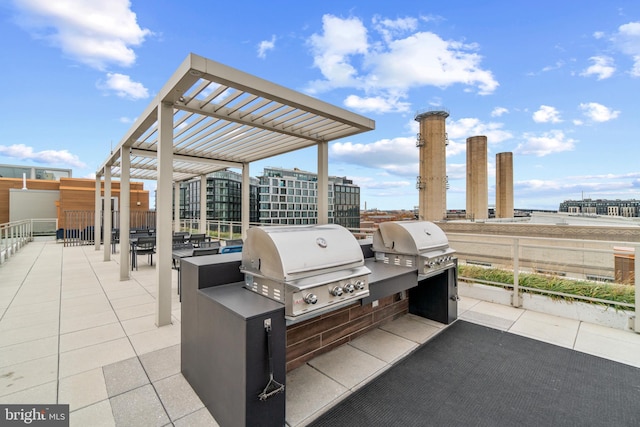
(471,375)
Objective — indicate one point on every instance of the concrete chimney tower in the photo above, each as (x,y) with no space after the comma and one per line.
(504,185)
(432,181)
(477,183)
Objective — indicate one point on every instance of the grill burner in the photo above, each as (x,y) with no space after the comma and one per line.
(416,244)
(311,269)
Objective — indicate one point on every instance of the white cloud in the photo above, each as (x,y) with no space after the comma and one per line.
(377,104)
(424,59)
(598,112)
(454,148)
(546,114)
(556,66)
(349,57)
(341,38)
(499,111)
(608,176)
(124,87)
(627,39)
(547,143)
(635,71)
(265,46)
(602,67)
(96,33)
(389,28)
(398,25)
(598,35)
(467,127)
(611,186)
(456,171)
(371,182)
(125,120)
(398,156)
(23,152)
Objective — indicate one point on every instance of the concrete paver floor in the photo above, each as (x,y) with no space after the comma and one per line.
(72,332)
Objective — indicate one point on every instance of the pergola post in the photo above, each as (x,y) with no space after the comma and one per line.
(241,132)
(176,206)
(106,216)
(97,207)
(323,182)
(245,214)
(203,204)
(125,211)
(163,213)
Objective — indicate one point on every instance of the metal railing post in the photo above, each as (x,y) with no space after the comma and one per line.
(516,300)
(2,243)
(13,239)
(636,264)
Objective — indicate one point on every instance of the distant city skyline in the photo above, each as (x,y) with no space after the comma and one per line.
(552,82)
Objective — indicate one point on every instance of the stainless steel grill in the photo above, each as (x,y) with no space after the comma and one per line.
(311,269)
(416,244)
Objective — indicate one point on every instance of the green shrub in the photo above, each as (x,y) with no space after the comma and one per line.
(606,291)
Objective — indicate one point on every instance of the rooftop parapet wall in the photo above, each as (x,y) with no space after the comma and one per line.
(606,233)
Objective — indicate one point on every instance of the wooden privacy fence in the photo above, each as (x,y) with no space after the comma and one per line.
(80,225)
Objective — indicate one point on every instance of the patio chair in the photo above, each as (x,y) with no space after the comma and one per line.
(205,251)
(115,239)
(144,245)
(179,246)
(178,239)
(210,244)
(230,249)
(233,242)
(196,239)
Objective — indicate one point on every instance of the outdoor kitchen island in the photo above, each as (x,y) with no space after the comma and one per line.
(238,344)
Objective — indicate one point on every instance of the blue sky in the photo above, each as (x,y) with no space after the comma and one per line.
(554,82)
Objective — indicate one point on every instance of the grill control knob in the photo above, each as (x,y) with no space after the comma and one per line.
(359,285)
(336,291)
(310,298)
(349,288)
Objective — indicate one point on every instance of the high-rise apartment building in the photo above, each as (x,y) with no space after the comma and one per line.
(346,202)
(224,197)
(33,172)
(625,208)
(290,196)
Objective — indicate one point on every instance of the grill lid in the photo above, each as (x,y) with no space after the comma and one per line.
(409,237)
(293,252)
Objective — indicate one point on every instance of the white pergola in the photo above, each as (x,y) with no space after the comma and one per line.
(210,117)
